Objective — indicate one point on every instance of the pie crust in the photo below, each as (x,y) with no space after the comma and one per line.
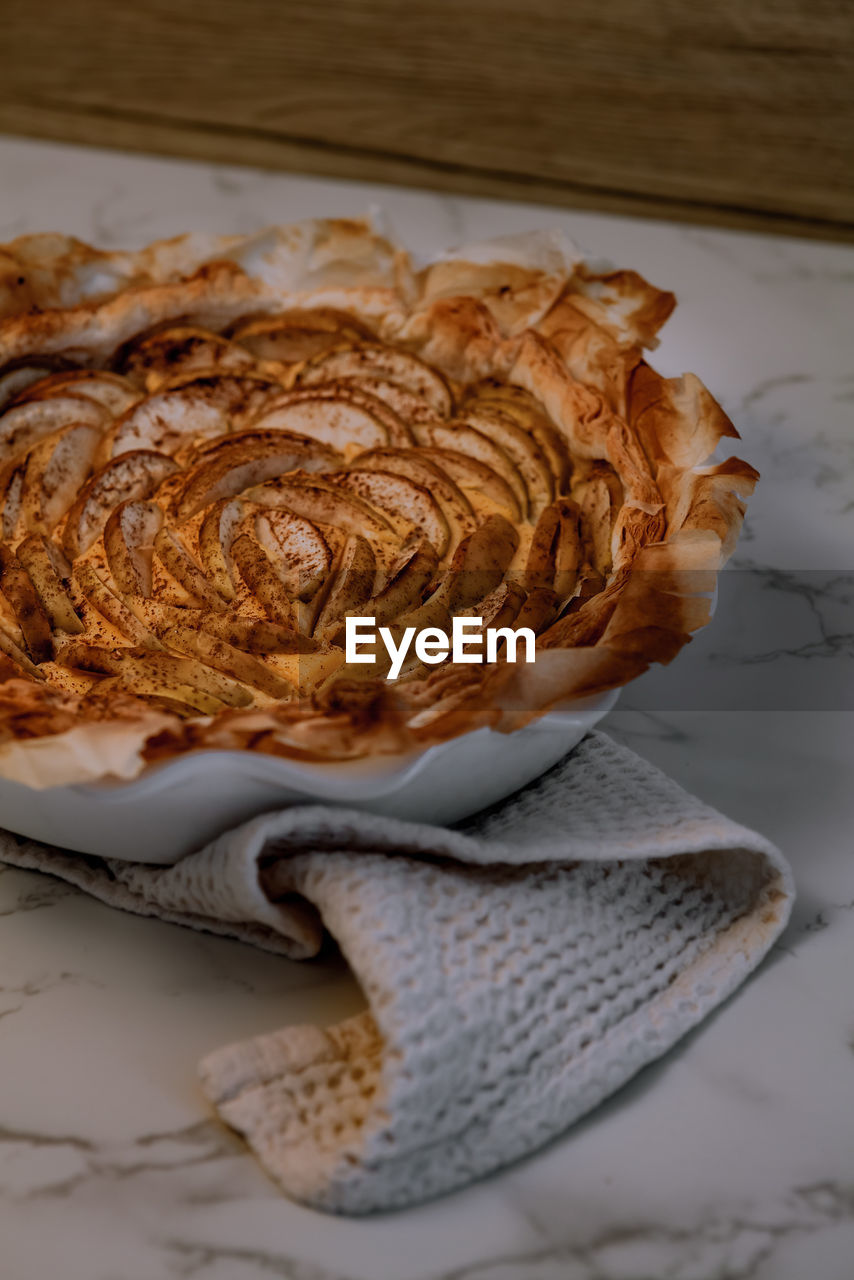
(213,450)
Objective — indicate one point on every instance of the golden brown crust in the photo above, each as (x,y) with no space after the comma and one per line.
(215,449)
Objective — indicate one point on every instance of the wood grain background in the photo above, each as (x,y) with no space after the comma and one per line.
(736,112)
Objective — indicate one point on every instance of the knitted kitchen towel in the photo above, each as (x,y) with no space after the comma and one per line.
(518,969)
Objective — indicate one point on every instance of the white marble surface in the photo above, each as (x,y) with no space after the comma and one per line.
(731,1159)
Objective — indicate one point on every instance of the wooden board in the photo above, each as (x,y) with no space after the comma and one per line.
(738,112)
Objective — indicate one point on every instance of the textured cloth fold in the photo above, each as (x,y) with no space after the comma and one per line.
(518,969)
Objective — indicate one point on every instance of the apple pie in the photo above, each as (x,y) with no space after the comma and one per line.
(216,450)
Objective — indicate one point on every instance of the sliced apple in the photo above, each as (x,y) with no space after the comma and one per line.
(20,593)
(478,477)
(599,497)
(351,391)
(461,438)
(12,486)
(433,612)
(337,418)
(407,405)
(177,561)
(101,692)
(529,414)
(23,425)
(258,635)
(539,610)
(424,470)
(207,450)
(260,576)
(302,554)
(309,671)
(56,471)
(48,568)
(111,607)
(294,336)
(132,476)
(479,564)
(500,608)
(222,656)
(15,381)
(25,666)
(216,533)
(351,584)
(408,579)
(182,349)
(111,390)
(524,451)
(318,499)
(404,498)
(238,463)
(556,553)
(129,536)
(159,617)
(376,360)
(159,674)
(175,417)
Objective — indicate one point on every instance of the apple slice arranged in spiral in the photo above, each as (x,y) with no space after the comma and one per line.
(320,500)
(57,468)
(527,413)
(129,536)
(18,588)
(376,360)
(238,462)
(175,558)
(523,450)
(555,554)
(302,553)
(252,635)
(23,425)
(270,588)
(459,437)
(294,336)
(408,579)
(539,610)
(404,498)
(111,390)
(133,475)
(416,467)
(181,349)
(407,405)
(11,493)
(598,495)
(351,584)
(176,416)
(49,571)
(222,656)
(479,564)
(111,607)
(344,418)
(500,608)
(282,555)
(216,533)
(258,635)
(22,665)
(152,674)
(14,382)
(478,477)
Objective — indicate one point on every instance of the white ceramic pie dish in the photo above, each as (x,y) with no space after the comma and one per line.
(178,806)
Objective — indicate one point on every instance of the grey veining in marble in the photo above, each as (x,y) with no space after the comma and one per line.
(731,1159)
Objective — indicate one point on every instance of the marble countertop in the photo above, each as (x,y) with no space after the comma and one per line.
(730,1159)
